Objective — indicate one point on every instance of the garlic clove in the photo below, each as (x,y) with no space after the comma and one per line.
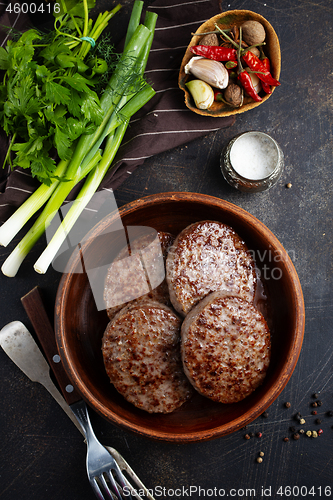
(212,72)
(202,93)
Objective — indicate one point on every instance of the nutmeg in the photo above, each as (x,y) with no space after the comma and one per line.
(255,51)
(253,32)
(210,39)
(233,94)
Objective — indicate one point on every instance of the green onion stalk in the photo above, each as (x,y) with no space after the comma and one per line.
(123,97)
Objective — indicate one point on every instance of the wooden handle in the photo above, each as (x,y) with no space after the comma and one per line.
(34,307)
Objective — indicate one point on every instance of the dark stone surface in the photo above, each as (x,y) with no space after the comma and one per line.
(43,455)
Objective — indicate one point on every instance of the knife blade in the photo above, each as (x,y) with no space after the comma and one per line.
(20,346)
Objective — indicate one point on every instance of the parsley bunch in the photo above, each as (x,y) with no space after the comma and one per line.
(47,96)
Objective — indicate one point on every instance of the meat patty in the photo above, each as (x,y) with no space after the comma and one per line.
(225,347)
(205,257)
(141,352)
(138,272)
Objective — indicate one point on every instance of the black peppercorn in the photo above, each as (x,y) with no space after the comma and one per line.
(296,436)
(319,403)
(265,414)
(330,413)
(292,429)
(318,421)
(316,395)
(287,404)
(251,434)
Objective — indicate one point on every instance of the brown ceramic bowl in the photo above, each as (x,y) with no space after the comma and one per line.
(226,20)
(79,326)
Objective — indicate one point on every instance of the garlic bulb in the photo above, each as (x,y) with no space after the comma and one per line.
(201,92)
(212,72)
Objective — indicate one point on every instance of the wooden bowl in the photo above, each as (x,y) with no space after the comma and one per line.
(226,20)
(79,326)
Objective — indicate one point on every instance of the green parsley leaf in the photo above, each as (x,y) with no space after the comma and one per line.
(90,107)
(57,93)
(78,82)
(62,143)
(74,105)
(42,72)
(52,50)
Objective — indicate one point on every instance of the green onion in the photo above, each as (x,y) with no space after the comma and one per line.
(93,181)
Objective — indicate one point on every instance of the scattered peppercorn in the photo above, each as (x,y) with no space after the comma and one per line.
(314,412)
(298,416)
(309,433)
(301,431)
(289,185)
(247,436)
(319,403)
(316,395)
(318,421)
(314,434)
(320,432)
(287,404)
(261,453)
(302,421)
(259,460)
(259,434)
(285,439)
(292,429)
(265,414)
(330,413)
(296,435)
(315,404)
(251,434)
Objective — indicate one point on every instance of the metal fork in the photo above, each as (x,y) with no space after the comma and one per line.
(105,476)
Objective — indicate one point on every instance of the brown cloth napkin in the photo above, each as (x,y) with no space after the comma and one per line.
(164,123)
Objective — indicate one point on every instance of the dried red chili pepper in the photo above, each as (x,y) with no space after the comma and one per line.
(265,86)
(256,65)
(215,52)
(247,85)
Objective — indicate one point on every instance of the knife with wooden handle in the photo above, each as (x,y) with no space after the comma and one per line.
(35,309)
(19,345)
